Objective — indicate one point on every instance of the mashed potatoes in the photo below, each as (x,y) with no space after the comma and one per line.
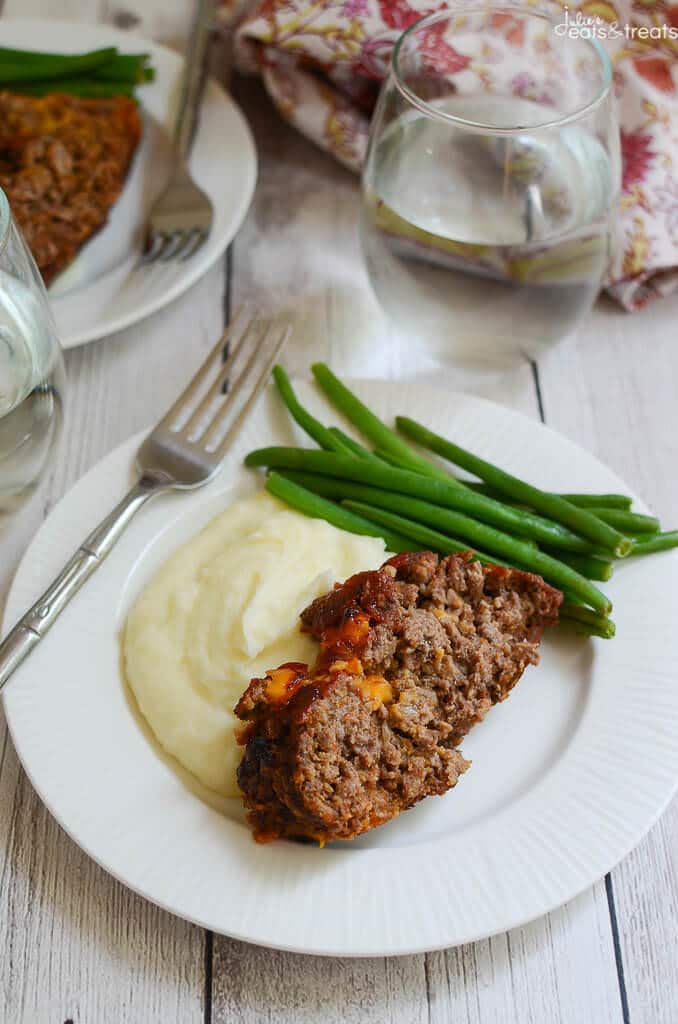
(225,608)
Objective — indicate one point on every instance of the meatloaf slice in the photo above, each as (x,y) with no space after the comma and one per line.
(412,655)
(63,164)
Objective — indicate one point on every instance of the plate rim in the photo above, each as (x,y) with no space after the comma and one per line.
(126,450)
(180,285)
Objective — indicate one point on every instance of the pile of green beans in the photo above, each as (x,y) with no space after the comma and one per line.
(97,73)
(397,493)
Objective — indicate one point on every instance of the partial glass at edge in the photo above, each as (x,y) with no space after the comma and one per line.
(31,371)
(490,181)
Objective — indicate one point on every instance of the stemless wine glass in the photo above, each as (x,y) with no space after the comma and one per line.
(491,176)
(31,370)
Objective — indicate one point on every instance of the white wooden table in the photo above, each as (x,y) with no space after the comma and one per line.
(76,946)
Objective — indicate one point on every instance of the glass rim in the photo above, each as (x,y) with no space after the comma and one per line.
(5,220)
(479,126)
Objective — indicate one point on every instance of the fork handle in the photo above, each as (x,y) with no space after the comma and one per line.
(193,83)
(31,628)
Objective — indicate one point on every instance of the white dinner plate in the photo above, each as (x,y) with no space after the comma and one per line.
(100,292)
(567,775)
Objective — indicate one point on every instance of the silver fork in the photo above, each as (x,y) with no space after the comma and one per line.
(181,217)
(184,451)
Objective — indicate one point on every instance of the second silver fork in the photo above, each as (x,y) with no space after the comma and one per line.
(181,217)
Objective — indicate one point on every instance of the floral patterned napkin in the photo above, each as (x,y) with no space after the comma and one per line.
(322,62)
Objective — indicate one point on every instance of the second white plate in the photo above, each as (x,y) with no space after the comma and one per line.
(99,293)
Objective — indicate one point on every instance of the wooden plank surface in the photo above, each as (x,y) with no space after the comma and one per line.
(77,945)
(80,944)
(615,391)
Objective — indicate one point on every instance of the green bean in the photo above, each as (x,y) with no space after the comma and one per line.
(98,73)
(591,566)
(125,67)
(396,460)
(349,442)
(393,460)
(370,425)
(420,533)
(83,87)
(318,508)
(55,67)
(443,492)
(579,520)
(621,501)
(383,456)
(590,501)
(587,622)
(660,542)
(631,523)
(313,427)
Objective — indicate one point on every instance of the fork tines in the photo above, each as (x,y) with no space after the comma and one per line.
(212,408)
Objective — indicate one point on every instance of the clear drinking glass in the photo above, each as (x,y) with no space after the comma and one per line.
(490,182)
(31,370)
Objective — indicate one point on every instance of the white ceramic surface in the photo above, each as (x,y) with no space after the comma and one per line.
(101,292)
(567,775)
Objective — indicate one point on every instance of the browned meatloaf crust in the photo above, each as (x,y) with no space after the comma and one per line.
(412,655)
(63,164)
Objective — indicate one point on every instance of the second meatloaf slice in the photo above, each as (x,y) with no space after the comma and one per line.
(412,655)
(63,164)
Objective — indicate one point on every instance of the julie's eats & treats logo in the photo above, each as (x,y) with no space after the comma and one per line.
(577,25)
